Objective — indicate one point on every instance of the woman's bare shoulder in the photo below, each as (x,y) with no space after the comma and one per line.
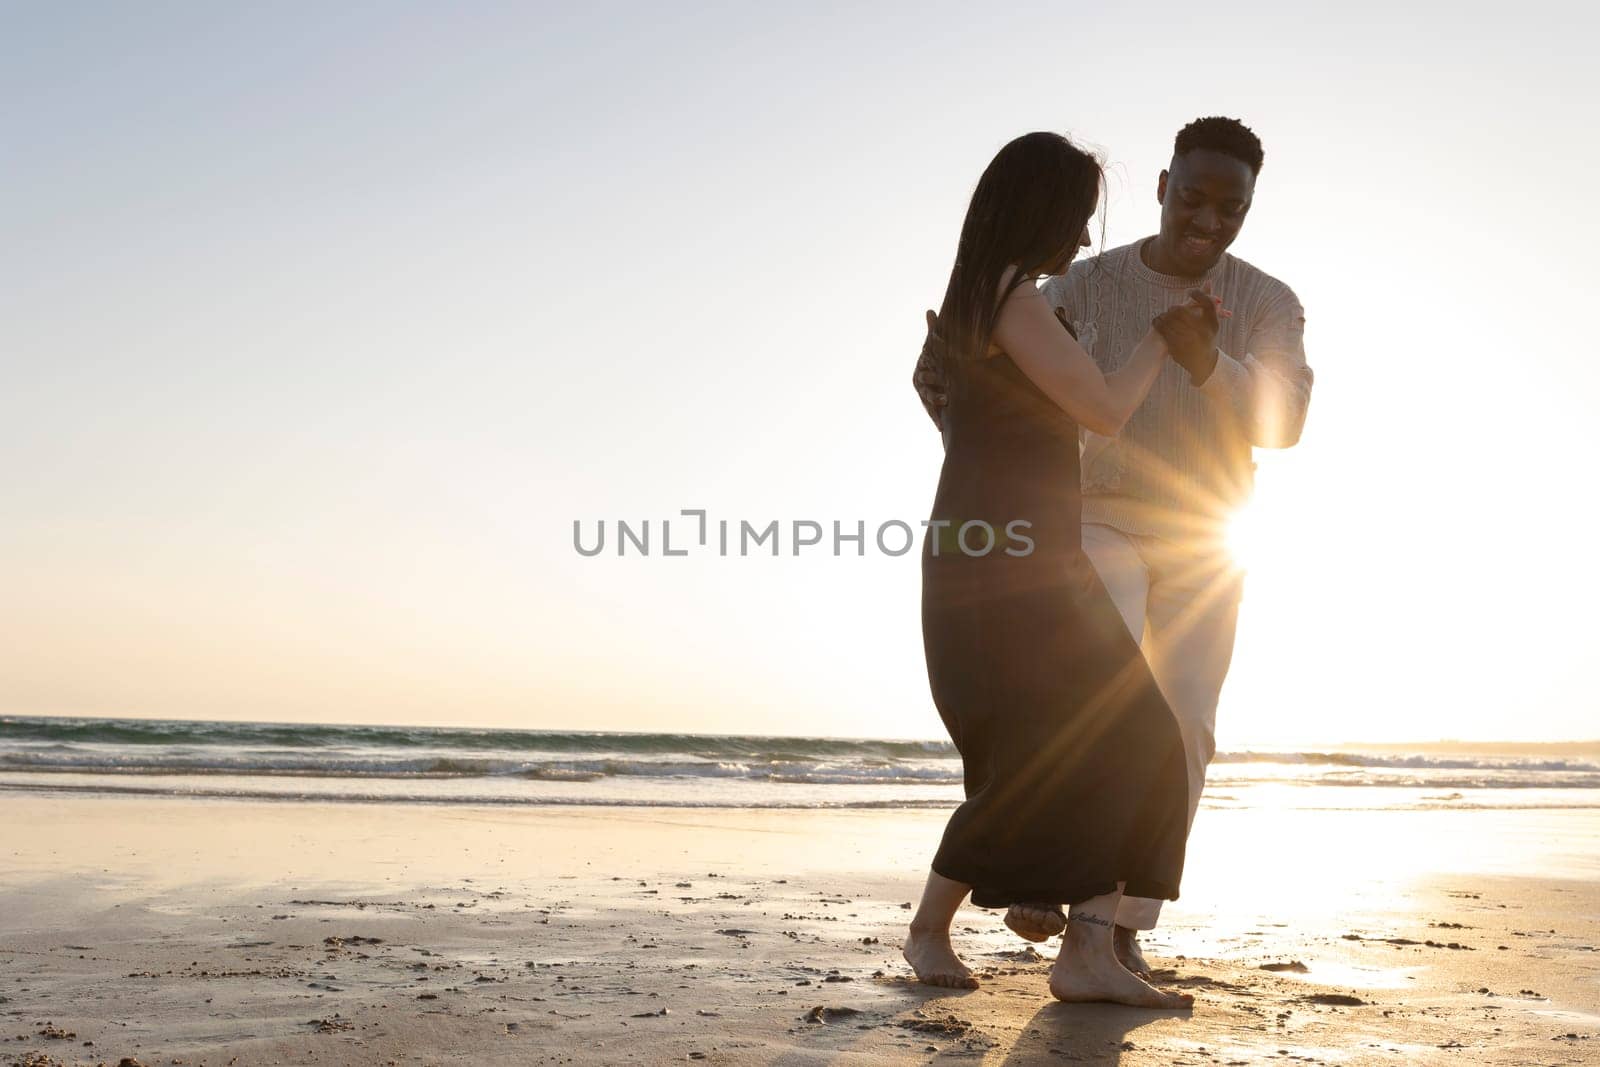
(1029,288)
(1023,309)
(1026,299)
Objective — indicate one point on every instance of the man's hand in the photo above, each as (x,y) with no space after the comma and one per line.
(928,378)
(1190,331)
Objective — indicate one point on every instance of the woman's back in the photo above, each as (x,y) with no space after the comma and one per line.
(1010,454)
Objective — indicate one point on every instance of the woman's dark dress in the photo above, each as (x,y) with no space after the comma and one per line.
(1075,774)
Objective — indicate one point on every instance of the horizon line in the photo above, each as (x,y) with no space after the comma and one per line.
(1591,742)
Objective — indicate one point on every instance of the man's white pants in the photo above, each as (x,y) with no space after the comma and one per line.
(1180,601)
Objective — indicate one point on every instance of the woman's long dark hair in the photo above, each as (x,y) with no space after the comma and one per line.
(1029,209)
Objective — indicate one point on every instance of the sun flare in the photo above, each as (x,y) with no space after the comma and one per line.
(1246,535)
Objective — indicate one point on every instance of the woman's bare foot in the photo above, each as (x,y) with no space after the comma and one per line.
(934,960)
(1036,922)
(1126,942)
(1087,970)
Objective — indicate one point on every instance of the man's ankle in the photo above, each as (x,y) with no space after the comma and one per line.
(1082,934)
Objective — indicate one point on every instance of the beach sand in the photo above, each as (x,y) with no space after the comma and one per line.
(184,931)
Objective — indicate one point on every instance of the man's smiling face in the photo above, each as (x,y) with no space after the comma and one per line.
(1204,199)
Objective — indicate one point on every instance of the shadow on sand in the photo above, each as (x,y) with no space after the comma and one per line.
(1096,1033)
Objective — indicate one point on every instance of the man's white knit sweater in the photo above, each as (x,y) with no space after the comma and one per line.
(1183,462)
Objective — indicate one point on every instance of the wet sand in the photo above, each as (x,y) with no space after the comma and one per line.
(169,931)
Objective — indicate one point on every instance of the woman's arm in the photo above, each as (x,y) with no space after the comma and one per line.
(1055,362)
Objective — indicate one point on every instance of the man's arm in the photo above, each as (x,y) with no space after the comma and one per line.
(1270,387)
(928,378)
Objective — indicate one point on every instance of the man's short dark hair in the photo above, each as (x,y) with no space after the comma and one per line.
(1230,137)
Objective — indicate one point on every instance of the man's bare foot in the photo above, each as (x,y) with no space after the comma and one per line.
(1036,922)
(934,960)
(1126,942)
(1087,970)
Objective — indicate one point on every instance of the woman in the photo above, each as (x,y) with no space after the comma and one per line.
(1074,770)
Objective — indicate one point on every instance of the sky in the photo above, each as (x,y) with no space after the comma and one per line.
(320,328)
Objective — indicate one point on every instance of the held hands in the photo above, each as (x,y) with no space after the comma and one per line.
(1190,331)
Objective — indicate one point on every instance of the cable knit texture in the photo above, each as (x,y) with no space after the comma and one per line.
(1183,463)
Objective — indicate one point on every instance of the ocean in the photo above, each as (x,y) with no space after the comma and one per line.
(422,765)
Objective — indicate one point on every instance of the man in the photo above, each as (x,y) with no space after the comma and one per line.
(1157,498)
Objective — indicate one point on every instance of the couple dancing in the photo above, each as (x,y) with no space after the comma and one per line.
(1083,756)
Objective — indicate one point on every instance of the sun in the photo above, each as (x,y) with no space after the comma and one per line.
(1246,535)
